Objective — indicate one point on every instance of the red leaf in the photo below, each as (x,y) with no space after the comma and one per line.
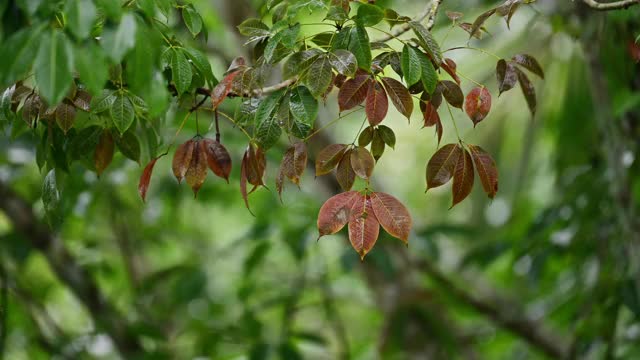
(486,169)
(507,76)
(197,171)
(218,158)
(182,159)
(220,92)
(478,104)
(329,158)
(462,177)
(392,215)
(104,152)
(143,185)
(335,213)
(345,174)
(256,167)
(353,92)
(442,165)
(362,162)
(400,96)
(363,226)
(450,67)
(377,104)
(430,114)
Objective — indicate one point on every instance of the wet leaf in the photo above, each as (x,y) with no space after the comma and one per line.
(122,112)
(353,92)
(329,157)
(387,135)
(507,76)
(65,116)
(344,62)
(530,63)
(366,136)
(344,174)
(377,104)
(528,90)
(399,95)
(336,212)
(486,169)
(182,159)
(392,215)
(362,162)
(197,171)
(129,145)
(218,158)
(452,93)
(145,178)
(104,152)
(480,22)
(319,76)
(442,165)
(363,226)
(462,177)
(426,40)
(478,104)
(303,106)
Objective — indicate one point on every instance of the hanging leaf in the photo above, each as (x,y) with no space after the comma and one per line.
(428,73)
(329,158)
(243,178)
(399,95)
(82,100)
(377,146)
(451,68)
(181,72)
(344,62)
(530,63)
(104,152)
(65,116)
(366,136)
(182,159)
(478,104)
(197,171)
(145,178)
(427,41)
(454,15)
(267,127)
(122,112)
(353,92)
(192,19)
(411,66)
(507,76)
(377,104)
(387,135)
(507,9)
(293,164)
(363,226)
(362,162)
(528,90)
(117,42)
(486,169)
(431,116)
(442,165)
(80,16)
(480,22)
(218,158)
(359,46)
(336,212)
(369,15)
(392,215)
(220,92)
(53,66)
(129,145)
(256,167)
(318,78)
(462,177)
(303,106)
(452,93)
(344,174)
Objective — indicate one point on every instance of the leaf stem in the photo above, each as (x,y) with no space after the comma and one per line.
(468,78)
(391,36)
(330,123)
(234,123)
(473,48)
(359,131)
(455,126)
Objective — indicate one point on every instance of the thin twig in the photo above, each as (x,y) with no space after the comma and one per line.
(624,4)
(428,13)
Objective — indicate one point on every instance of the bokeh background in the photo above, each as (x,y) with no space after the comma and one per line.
(549,269)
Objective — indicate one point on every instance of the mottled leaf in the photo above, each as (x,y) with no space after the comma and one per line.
(507,76)
(220,92)
(65,116)
(335,213)
(377,104)
(478,104)
(530,63)
(427,41)
(197,172)
(528,90)
(344,62)
(353,92)
(452,93)
(182,159)
(319,76)
(363,226)
(329,158)
(362,162)
(218,158)
(392,215)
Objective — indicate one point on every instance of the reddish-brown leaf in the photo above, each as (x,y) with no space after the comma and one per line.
(335,213)
(462,177)
(480,21)
(530,63)
(220,92)
(65,116)
(528,90)
(104,152)
(452,93)
(345,174)
(442,165)
(82,100)
(197,171)
(451,68)
(486,169)
(353,92)
(362,162)
(363,226)
(435,99)
(243,179)
(507,9)
(454,15)
(256,167)
(292,167)
(439,130)
(377,103)
(143,185)
(400,96)
(478,104)
(329,158)
(468,26)
(507,76)
(430,114)
(392,215)
(182,159)
(218,158)
(634,50)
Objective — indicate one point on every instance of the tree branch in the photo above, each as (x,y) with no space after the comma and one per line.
(428,13)
(68,270)
(617,5)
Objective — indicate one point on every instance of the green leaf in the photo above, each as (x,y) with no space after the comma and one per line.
(299,62)
(5,105)
(53,67)
(360,47)
(426,40)
(122,112)
(92,67)
(85,141)
(103,101)
(267,129)
(181,72)
(369,15)
(411,65)
(344,62)
(117,42)
(51,197)
(81,15)
(192,19)
(337,13)
(318,78)
(142,60)
(23,47)
(286,37)
(129,145)
(303,105)
(428,74)
(253,28)
(201,63)
(387,135)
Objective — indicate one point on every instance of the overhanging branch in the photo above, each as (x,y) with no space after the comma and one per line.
(616,5)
